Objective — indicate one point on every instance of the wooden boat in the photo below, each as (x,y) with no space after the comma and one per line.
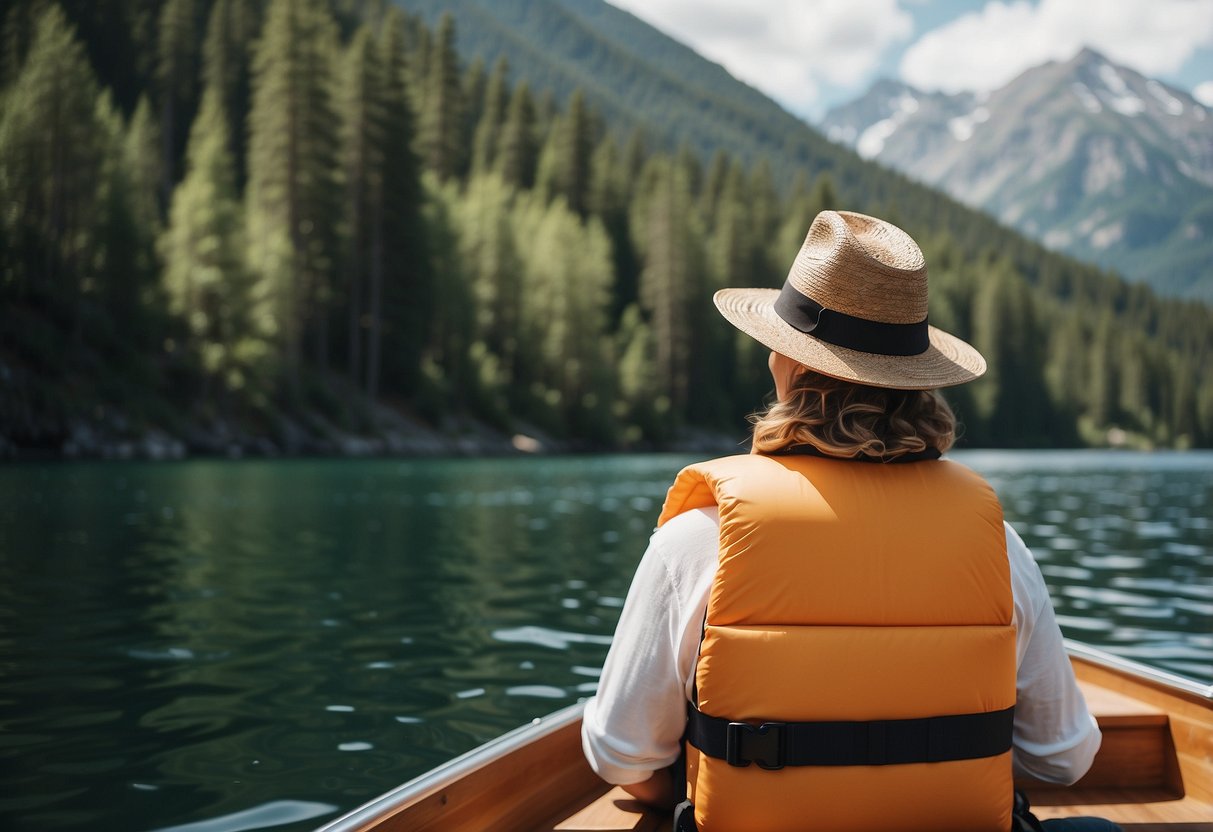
(1154,770)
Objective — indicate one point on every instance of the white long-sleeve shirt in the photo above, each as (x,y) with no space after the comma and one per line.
(633,725)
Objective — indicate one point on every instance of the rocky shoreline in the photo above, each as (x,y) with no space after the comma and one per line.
(395,435)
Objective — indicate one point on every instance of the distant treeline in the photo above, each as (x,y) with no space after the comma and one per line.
(239,211)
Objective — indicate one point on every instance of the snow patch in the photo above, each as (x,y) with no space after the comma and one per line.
(871,142)
(1128,105)
(961,127)
(1118,95)
(1169,102)
(1112,80)
(906,103)
(1089,100)
(1107,235)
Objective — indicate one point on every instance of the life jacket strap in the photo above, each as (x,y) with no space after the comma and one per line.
(773,745)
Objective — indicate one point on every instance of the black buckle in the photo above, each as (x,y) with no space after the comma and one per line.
(764,744)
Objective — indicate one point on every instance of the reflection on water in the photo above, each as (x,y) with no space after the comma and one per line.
(231,646)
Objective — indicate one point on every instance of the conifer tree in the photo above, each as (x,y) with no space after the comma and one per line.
(1103,386)
(474,86)
(567,278)
(177,75)
(440,131)
(570,145)
(765,219)
(492,120)
(52,156)
(363,154)
(638,391)
(122,260)
(517,151)
(489,251)
(227,55)
(292,195)
(713,184)
(143,164)
(16,35)
(731,246)
(1006,333)
(401,292)
(444,365)
(667,282)
(609,195)
(208,284)
(1067,370)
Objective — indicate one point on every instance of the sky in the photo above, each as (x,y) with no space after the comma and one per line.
(810,55)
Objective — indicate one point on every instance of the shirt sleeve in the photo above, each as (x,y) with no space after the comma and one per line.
(634,724)
(1055,737)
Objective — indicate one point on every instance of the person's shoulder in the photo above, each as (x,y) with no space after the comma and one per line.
(688,528)
(687,544)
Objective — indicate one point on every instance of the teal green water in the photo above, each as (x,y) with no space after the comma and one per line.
(209,646)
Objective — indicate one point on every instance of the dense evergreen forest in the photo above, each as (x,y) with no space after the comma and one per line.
(295,216)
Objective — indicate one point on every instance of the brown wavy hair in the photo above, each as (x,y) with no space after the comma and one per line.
(843,419)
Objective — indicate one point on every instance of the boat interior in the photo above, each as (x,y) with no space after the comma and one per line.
(1153,773)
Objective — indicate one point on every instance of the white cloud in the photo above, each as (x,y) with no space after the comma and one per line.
(786,48)
(1204,93)
(985,49)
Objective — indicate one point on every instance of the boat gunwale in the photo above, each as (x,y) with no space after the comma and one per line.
(1171,682)
(444,774)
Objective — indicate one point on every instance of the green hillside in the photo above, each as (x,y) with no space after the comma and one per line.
(317,225)
(639,78)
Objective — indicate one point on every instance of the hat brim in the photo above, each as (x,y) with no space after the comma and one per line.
(946,362)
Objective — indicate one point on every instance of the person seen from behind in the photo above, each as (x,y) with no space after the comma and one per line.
(838,631)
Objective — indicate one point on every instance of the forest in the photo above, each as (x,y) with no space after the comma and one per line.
(295,214)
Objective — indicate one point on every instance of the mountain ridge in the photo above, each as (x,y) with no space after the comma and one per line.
(1088,157)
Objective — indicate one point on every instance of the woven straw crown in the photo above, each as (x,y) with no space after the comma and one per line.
(854,307)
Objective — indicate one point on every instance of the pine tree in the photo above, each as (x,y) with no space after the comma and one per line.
(292,195)
(608,200)
(571,145)
(227,55)
(638,390)
(362,161)
(440,132)
(731,246)
(177,77)
(517,154)
(143,164)
(19,25)
(713,184)
(671,252)
(492,121)
(52,157)
(122,262)
(1012,400)
(1103,385)
(567,278)
(475,83)
(489,251)
(401,292)
(206,278)
(767,268)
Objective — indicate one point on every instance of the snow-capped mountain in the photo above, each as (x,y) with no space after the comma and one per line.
(1087,156)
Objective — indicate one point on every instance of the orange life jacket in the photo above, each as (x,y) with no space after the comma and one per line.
(850,592)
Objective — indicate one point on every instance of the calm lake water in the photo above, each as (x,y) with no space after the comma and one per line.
(218,646)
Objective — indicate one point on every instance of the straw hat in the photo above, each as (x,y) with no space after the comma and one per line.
(854,307)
